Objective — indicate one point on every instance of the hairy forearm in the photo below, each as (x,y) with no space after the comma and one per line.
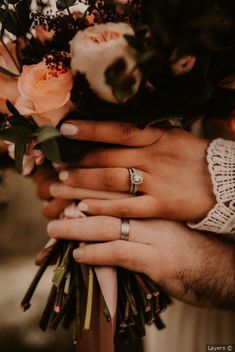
(215,286)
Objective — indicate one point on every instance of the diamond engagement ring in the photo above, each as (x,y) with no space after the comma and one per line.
(125,229)
(136,179)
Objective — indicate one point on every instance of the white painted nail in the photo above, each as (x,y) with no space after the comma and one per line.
(52,227)
(69,130)
(71,211)
(50,243)
(63,175)
(54,188)
(82,206)
(78,254)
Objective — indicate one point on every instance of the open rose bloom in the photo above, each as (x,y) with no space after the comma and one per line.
(44,93)
(41,92)
(98,47)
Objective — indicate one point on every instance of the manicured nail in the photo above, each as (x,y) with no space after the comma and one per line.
(52,227)
(69,130)
(45,203)
(82,206)
(52,190)
(63,175)
(50,243)
(71,211)
(78,254)
(57,166)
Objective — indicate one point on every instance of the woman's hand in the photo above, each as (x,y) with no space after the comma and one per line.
(176,183)
(44,177)
(59,198)
(187,264)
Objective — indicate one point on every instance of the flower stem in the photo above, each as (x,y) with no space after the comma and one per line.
(48,309)
(25,304)
(90,291)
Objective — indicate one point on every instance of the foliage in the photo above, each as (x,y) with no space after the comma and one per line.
(21,131)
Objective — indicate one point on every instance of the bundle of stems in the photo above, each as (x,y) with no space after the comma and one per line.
(140,300)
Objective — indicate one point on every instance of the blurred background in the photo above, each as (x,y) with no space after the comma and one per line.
(22,235)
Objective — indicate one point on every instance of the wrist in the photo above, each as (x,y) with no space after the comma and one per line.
(221,166)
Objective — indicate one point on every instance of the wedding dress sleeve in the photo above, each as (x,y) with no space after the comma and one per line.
(221,164)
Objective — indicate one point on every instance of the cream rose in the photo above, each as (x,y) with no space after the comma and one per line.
(44,93)
(8,84)
(96,48)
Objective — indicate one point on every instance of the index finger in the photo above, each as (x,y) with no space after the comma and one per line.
(121,133)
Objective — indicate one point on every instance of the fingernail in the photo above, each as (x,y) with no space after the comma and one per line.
(69,130)
(45,203)
(56,166)
(50,243)
(53,189)
(52,227)
(63,175)
(71,211)
(78,254)
(82,206)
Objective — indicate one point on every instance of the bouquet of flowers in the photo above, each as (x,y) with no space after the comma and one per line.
(146,62)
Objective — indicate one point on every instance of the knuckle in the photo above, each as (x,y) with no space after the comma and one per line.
(104,157)
(128,131)
(43,192)
(74,176)
(93,129)
(49,213)
(124,211)
(102,225)
(106,227)
(119,252)
(110,178)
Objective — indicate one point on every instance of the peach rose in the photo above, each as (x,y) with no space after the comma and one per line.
(44,93)
(8,84)
(96,48)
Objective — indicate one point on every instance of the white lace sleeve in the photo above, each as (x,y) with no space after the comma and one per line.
(221,163)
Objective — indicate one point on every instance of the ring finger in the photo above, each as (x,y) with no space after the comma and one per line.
(105,179)
(97,229)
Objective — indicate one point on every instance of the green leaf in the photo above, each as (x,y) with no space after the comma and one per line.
(19,155)
(23,15)
(16,119)
(9,21)
(17,134)
(13,2)
(51,150)
(63,4)
(45,133)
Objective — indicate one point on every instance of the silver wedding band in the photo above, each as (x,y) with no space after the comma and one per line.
(136,179)
(125,229)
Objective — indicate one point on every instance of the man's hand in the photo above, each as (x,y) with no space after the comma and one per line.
(196,268)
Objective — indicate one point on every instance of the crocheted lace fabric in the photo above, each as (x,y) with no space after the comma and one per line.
(221,163)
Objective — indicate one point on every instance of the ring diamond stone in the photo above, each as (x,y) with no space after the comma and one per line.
(136,179)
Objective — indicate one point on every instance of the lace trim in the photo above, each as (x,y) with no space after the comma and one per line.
(221,164)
